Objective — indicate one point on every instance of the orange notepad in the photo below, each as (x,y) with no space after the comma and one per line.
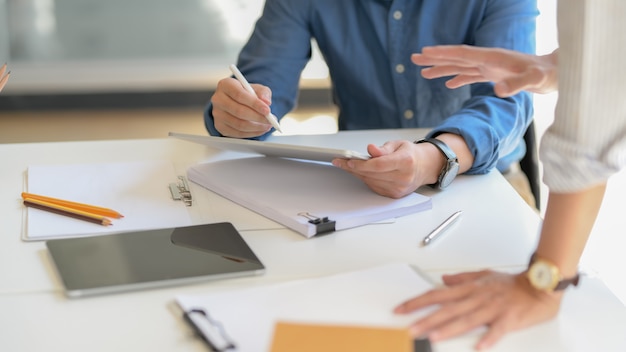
(289,337)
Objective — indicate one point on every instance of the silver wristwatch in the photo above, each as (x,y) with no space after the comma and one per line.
(450,168)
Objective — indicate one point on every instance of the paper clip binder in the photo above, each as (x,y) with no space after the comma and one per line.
(211,331)
(180,191)
(322,225)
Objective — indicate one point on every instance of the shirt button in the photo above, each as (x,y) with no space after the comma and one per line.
(400,68)
(397,15)
(408,114)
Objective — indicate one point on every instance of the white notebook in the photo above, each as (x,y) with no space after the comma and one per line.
(309,197)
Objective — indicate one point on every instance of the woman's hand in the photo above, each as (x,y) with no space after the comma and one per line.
(511,71)
(501,302)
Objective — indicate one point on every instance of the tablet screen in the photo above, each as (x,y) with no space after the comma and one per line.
(152,258)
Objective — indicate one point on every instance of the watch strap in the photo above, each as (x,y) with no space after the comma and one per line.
(443,147)
(447,152)
(563,284)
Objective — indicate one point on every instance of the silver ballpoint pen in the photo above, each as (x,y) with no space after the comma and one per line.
(441,228)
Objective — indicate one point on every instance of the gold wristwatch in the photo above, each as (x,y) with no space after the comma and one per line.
(545,276)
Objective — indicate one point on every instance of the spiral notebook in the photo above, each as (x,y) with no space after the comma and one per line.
(311,198)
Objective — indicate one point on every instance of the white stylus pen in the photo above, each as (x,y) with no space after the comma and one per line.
(441,228)
(244,82)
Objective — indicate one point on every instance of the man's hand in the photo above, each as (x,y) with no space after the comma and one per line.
(400,167)
(238,113)
(397,168)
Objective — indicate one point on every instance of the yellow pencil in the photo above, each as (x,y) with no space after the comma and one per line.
(61,210)
(75,205)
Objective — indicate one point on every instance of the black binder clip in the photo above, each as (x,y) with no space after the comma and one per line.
(211,331)
(322,225)
(422,345)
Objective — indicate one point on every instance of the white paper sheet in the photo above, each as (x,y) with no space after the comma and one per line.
(363,298)
(137,190)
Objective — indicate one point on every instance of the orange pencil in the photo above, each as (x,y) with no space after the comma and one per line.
(74,205)
(4,78)
(73,213)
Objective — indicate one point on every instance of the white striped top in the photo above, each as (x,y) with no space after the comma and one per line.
(587,142)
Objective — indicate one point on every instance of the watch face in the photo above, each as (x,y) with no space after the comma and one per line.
(542,276)
(451,171)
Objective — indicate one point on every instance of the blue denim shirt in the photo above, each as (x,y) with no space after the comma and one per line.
(367,45)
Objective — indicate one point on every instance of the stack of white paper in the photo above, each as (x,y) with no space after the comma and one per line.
(292,192)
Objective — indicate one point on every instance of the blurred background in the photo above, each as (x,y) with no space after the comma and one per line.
(149,65)
(117,69)
(88,69)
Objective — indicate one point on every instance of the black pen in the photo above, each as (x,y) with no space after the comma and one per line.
(441,228)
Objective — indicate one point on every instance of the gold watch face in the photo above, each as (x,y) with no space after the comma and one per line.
(543,275)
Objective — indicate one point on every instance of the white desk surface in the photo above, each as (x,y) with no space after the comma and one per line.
(498,230)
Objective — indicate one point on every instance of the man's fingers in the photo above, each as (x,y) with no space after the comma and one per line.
(263,93)
(237,113)
(231,96)
(231,125)
(243,98)
(229,129)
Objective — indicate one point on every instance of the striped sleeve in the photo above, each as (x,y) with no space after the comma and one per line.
(586,144)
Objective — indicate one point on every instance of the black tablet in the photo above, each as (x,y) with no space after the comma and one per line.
(152,258)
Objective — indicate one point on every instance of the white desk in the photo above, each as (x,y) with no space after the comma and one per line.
(497,230)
